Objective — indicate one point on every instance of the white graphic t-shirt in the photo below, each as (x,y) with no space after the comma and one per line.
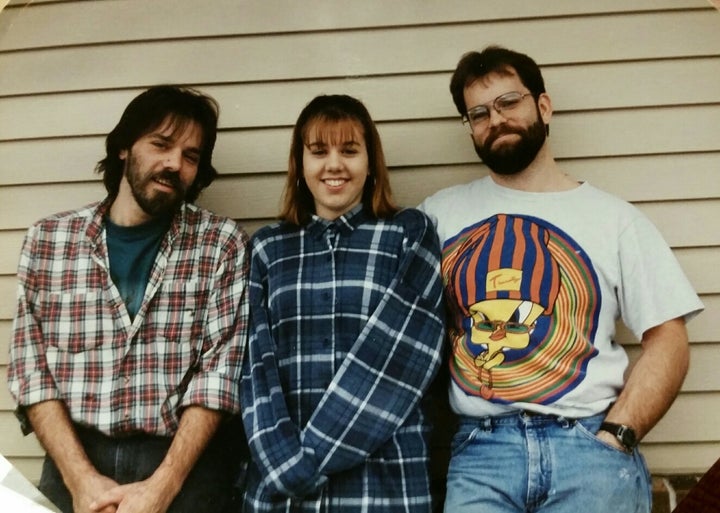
(536,283)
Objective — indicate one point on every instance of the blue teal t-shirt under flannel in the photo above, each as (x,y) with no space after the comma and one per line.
(345,337)
(132,251)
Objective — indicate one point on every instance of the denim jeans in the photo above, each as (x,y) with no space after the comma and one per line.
(523,463)
(210,486)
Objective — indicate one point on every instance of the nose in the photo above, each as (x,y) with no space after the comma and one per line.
(173,160)
(496,118)
(498,333)
(334,160)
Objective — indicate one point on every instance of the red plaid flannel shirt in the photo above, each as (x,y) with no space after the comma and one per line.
(73,339)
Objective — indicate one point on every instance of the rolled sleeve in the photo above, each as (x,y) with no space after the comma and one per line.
(215,384)
(29,379)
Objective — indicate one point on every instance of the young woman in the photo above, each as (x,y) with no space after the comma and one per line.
(346,330)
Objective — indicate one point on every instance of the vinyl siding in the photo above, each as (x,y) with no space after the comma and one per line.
(633,83)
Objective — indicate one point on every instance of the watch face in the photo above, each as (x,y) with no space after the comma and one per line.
(624,434)
(629,439)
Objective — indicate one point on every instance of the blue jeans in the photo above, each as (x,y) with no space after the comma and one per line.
(210,487)
(523,463)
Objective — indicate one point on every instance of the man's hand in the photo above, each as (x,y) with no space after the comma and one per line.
(88,490)
(57,435)
(141,497)
(156,493)
(610,439)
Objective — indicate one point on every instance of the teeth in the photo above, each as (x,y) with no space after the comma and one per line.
(334,183)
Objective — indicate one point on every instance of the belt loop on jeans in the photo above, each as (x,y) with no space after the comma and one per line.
(486,423)
(565,423)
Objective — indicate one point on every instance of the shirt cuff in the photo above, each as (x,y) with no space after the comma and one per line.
(214,391)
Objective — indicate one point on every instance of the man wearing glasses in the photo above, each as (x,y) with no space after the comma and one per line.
(537,268)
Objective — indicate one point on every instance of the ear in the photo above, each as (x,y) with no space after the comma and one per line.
(123,154)
(545,107)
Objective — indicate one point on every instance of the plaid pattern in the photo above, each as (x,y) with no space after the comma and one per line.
(73,339)
(345,337)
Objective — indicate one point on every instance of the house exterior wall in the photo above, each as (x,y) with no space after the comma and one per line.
(633,83)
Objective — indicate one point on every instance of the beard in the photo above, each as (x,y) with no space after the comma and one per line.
(154,203)
(510,159)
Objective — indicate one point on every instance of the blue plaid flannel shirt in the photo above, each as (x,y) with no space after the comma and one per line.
(345,338)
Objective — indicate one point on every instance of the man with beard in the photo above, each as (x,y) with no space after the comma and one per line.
(537,267)
(130,324)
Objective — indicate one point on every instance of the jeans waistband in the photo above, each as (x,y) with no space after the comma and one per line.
(523,417)
(229,438)
(92,437)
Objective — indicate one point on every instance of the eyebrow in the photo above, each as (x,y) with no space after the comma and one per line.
(171,139)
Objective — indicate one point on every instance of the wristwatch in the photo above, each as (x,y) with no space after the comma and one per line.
(625,434)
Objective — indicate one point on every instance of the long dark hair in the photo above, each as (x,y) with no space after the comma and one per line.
(176,106)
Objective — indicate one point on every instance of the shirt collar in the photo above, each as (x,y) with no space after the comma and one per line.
(95,226)
(345,224)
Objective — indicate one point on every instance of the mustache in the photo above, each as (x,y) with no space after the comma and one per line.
(172,178)
(498,132)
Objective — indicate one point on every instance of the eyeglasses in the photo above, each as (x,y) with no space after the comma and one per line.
(478,117)
(509,327)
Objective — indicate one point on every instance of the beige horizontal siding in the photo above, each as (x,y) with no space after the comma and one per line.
(5,327)
(680,458)
(634,85)
(246,105)
(690,416)
(703,375)
(13,444)
(10,244)
(262,58)
(8,287)
(104,22)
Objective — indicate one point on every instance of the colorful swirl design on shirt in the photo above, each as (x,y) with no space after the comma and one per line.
(526,304)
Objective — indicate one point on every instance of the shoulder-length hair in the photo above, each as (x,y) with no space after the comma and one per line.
(163,104)
(329,113)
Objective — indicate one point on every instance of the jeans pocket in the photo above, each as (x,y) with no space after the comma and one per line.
(462,439)
(589,433)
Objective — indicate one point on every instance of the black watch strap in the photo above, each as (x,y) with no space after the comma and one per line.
(625,434)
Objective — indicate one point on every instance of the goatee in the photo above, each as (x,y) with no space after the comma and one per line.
(510,159)
(154,203)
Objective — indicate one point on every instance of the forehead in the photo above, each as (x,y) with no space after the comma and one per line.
(333,132)
(487,88)
(181,130)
